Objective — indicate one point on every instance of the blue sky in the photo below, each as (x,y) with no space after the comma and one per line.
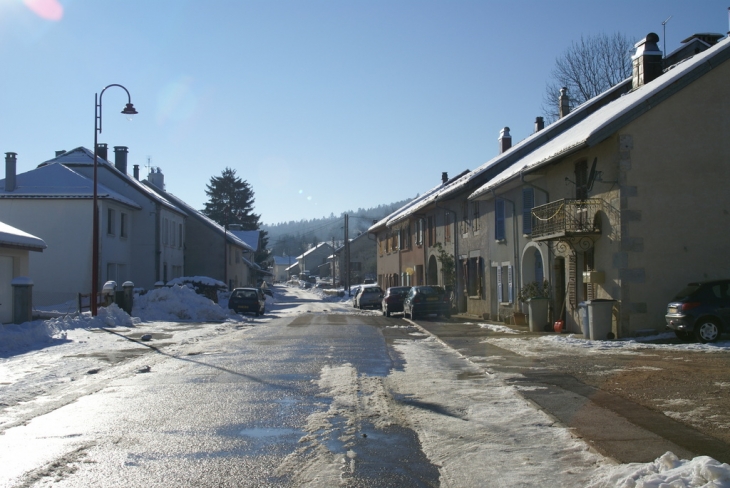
(322,106)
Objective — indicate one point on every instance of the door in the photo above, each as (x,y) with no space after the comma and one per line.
(6,289)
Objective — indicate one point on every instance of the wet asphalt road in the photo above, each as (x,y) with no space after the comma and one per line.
(230,412)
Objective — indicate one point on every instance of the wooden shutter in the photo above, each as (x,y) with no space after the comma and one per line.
(499,284)
(528,201)
(510,288)
(499,219)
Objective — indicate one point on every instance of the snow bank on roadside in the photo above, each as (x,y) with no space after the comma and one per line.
(667,470)
(177,303)
(575,344)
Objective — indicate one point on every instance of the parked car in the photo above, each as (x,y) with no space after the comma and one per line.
(701,309)
(393,299)
(425,300)
(247,300)
(369,296)
(354,290)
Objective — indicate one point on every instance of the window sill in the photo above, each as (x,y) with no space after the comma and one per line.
(500,241)
(475,297)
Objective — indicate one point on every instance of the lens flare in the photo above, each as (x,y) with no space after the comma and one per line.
(46,9)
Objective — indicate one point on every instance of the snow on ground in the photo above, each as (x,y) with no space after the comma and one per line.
(571,344)
(511,436)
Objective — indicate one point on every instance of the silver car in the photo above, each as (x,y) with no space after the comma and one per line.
(369,296)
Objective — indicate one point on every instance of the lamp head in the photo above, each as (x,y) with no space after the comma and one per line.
(129,111)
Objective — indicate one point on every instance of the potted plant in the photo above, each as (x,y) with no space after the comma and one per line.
(537,296)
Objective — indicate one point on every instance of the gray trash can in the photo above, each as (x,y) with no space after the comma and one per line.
(600,315)
(583,314)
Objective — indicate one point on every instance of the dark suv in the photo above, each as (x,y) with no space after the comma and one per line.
(702,309)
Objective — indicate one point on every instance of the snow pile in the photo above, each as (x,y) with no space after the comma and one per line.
(203,280)
(499,328)
(666,471)
(575,344)
(179,303)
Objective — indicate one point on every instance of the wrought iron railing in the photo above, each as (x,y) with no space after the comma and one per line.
(566,218)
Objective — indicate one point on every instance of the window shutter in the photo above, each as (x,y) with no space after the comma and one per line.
(499,219)
(499,284)
(510,288)
(528,201)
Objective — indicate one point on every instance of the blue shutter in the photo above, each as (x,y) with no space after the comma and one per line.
(499,219)
(510,287)
(528,201)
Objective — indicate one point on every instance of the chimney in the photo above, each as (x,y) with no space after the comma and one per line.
(136,172)
(505,140)
(646,61)
(101,150)
(539,124)
(10,162)
(444,177)
(59,153)
(120,158)
(564,102)
(157,178)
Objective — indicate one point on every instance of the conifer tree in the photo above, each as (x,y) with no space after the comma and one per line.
(231,201)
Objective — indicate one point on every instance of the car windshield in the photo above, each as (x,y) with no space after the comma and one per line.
(429,290)
(372,290)
(687,291)
(245,294)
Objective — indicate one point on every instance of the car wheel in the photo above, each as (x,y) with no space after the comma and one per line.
(256,314)
(682,335)
(707,330)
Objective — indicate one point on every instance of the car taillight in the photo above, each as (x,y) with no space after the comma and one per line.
(690,306)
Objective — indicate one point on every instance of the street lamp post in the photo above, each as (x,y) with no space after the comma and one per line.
(129,110)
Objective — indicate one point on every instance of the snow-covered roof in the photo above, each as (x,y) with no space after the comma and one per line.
(198,215)
(606,121)
(250,237)
(12,237)
(310,251)
(58,181)
(81,156)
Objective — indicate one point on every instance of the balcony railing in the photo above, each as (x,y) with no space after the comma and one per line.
(566,218)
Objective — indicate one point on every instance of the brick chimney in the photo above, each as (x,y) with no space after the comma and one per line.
(101,150)
(564,102)
(136,171)
(444,177)
(646,61)
(505,140)
(120,158)
(539,124)
(10,164)
(157,178)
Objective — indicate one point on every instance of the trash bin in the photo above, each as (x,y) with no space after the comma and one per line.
(600,314)
(583,312)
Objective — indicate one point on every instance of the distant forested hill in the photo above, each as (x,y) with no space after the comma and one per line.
(293,238)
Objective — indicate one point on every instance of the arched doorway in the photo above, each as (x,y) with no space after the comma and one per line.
(432,277)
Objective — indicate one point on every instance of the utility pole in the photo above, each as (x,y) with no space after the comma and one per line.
(334,257)
(347,254)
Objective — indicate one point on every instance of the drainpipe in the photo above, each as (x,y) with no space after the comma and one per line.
(515,249)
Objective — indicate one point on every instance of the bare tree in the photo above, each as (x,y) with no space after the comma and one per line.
(587,68)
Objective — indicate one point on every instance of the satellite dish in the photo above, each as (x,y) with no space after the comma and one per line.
(592,175)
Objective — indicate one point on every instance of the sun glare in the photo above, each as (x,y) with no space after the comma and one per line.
(46,9)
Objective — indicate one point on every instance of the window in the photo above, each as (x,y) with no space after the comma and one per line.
(465,217)
(505,287)
(528,202)
(581,180)
(447,226)
(116,272)
(164,272)
(123,224)
(419,232)
(499,233)
(165,231)
(474,276)
(110,221)
(405,238)
(180,236)
(475,216)
(172,234)
(431,232)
